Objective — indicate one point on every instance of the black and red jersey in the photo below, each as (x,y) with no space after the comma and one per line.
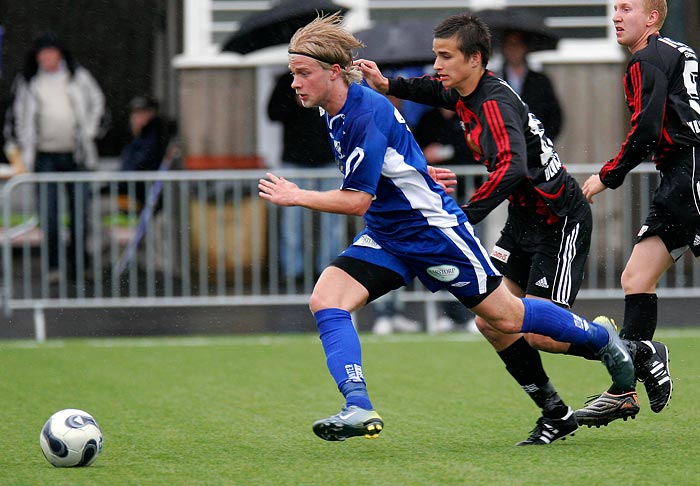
(662,89)
(509,140)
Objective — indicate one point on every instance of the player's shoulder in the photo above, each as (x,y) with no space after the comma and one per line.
(367,104)
(494,89)
(662,52)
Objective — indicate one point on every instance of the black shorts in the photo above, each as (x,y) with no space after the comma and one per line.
(545,260)
(674,215)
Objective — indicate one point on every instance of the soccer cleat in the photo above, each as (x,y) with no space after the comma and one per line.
(607,407)
(651,366)
(351,421)
(548,430)
(616,357)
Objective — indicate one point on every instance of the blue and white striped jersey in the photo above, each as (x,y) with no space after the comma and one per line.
(377,154)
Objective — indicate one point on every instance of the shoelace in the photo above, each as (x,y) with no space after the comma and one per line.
(591,399)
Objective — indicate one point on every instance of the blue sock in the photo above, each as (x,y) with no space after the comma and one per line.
(548,319)
(343,355)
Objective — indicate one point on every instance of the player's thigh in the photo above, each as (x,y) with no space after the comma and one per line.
(365,271)
(336,289)
(502,310)
(649,260)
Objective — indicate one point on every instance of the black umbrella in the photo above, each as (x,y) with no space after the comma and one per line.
(277,25)
(397,44)
(538,36)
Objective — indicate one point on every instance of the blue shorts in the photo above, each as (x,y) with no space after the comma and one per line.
(449,259)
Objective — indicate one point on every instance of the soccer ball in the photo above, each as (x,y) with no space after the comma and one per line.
(71,438)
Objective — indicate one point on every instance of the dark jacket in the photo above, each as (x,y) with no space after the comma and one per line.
(145,152)
(538,93)
(305,140)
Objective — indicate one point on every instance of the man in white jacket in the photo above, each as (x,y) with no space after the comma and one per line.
(54,119)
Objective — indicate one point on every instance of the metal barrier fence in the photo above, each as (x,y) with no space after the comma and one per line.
(211,241)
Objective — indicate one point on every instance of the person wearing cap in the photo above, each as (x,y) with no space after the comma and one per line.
(147,148)
(54,118)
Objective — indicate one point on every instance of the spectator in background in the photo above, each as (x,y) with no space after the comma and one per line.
(146,149)
(55,117)
(305,146)
(534,87)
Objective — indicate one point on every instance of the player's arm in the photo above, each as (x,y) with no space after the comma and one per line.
(502,142)
(373,75)
(648,88)
(282,192)
(425,90)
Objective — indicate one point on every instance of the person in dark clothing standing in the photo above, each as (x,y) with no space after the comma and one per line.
(545,241)
(534,87)
(147,148)
(662,86)
(304,146)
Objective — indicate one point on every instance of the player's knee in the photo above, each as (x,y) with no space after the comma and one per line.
(482,325)
(634,282)
(505,324)
(317,302)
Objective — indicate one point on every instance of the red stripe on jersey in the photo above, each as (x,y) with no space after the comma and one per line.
(494,120)
(635,80)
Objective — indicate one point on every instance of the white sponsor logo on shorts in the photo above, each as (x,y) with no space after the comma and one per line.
(365,240)
(696,241)
(460,284)
(643,230)
(443,273)
(500,254)
(542,283)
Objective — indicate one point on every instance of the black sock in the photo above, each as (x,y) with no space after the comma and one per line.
(640,317)
(525,365)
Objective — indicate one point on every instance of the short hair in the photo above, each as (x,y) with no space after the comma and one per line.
(473,35)
(328,43)
(661,7)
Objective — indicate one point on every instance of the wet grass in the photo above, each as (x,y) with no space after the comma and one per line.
(238,410)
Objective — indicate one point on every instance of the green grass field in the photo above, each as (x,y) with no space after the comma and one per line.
(238,410)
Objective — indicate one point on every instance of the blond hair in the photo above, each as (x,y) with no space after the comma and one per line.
(661,7)
(328,43)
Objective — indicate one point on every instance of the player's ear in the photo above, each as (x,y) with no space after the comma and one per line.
(475,60)
(653,18)
(336,71)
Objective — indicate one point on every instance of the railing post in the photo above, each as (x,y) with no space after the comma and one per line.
(39,324)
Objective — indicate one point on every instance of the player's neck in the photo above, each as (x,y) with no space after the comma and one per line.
(468,86)
(336,99)
(642,42)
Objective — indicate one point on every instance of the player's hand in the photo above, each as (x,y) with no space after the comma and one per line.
(373,75)
(444,177)
(592,186)
(278,190)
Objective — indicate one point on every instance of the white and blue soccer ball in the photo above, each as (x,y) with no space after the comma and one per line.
(71,438)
